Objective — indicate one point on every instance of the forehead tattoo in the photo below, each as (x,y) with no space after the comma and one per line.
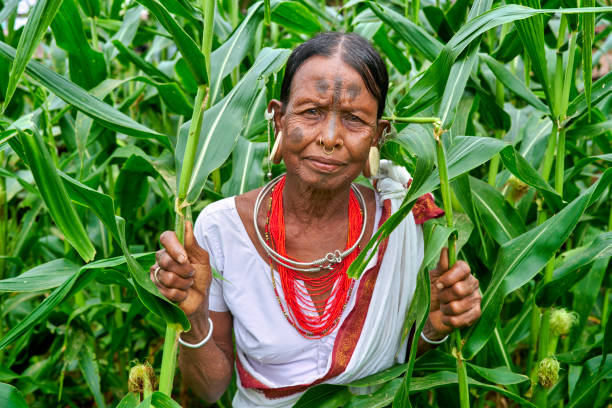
(322,86)
(353,91)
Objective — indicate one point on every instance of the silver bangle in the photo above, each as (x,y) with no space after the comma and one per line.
(203,342)
(424,337)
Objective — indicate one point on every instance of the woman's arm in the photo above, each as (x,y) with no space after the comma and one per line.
(183,275)
(208,370)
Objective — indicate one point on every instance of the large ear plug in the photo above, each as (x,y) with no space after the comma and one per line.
(275,154)
(373,163)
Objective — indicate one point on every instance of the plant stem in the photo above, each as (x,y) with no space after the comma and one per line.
(457,343)
(3,220)
(267,13)
(560,162)
(168,367)
(411,119)
(549,156)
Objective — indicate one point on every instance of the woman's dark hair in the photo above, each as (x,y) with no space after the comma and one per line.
(354,50)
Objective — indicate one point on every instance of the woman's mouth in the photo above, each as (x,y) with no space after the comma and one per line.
(324,164)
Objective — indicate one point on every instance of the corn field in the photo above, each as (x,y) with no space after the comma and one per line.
(123,118)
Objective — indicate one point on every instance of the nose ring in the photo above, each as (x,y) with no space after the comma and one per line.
(328,152)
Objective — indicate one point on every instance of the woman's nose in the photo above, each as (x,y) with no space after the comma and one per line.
(332,136)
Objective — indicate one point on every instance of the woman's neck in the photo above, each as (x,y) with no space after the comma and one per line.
(310,205)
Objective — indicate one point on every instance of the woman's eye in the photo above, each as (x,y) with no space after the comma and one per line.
(353,118)
(311,112)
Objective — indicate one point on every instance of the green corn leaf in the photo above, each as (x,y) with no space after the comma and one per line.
(565,276)
(10,397)
(54,194)
(71,286)
(380,377)
(246,168)
(586,293)
(87,67)
(186,45)
(601,89)
(159,400)
(589,383)
(429,88)
(414,35)
(103,207)
(520,259)
(131,400)
(499,375)
(140,62)
(224,121)
(41,15)
(324,395)
(227,57)
(518,166)
(8,8)
(384,396)
(436,237)
(91,373)
(83,101)
(514,84)
(294,16)
(499,218)
(42,277)
(460,72)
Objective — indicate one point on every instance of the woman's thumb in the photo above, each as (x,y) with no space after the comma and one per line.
(195,252)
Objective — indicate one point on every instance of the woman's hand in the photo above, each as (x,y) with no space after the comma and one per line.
(455,298)
(184,276)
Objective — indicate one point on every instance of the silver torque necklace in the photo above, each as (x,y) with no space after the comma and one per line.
(329,260)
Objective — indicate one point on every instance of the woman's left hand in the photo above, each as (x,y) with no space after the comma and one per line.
(455,298)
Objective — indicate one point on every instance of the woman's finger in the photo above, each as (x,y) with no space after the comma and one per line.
(460,306)
(172,280)
(458,272)
(172,294)
(168,263)
(173,246)
(459,290)
(463,320)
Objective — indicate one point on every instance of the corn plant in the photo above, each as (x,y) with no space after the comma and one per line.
(121,119)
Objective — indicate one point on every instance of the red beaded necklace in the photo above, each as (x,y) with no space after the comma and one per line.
(305,313)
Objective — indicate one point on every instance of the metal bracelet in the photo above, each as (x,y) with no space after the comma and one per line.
(424,337)
(203,342)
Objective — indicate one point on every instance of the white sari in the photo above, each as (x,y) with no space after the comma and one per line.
(275,364)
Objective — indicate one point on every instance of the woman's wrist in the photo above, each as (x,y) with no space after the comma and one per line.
(431,333)
(199,327)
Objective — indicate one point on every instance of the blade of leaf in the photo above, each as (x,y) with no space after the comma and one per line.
(186,45)
(520,259)
(10,397)
(41,15)
(54,194)
(42,277)
(565,276)
(224,121)
(80,99)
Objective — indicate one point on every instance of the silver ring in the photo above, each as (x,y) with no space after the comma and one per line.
(155,277)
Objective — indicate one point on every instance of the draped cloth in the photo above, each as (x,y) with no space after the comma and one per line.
(369,336)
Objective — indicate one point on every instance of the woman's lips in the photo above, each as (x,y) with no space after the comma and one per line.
(324,164)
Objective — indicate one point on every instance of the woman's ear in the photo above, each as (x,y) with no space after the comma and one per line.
(381,127)
(276,106)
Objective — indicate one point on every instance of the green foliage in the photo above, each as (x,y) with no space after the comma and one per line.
(98,97)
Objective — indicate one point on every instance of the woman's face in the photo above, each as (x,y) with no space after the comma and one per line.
(329,109)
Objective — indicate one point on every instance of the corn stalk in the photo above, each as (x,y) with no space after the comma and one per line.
(182,209)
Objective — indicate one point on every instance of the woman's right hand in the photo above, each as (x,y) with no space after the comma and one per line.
(184,276)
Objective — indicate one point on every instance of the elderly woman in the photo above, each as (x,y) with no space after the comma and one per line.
(283,250)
